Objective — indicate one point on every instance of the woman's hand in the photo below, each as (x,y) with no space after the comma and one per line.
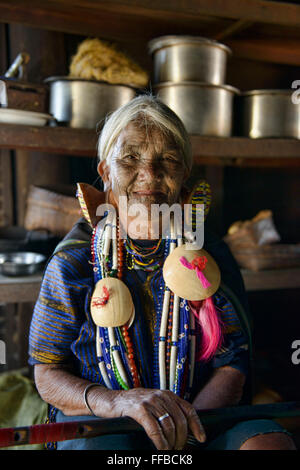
(59,387)
(146,405)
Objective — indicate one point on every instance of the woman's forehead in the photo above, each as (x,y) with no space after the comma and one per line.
(143,135)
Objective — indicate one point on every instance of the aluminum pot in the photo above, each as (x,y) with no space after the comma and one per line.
(188,58)
(21,263)
(270,113)
(204,109)
(84,103)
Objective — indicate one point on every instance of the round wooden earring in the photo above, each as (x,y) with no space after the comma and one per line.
(182,277)
(111,303)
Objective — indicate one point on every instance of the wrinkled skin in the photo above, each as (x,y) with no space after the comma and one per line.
(146,168)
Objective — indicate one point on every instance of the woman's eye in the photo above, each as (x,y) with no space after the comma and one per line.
(170,158)
(130,157)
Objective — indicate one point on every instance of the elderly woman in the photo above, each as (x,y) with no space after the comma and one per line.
(87,366)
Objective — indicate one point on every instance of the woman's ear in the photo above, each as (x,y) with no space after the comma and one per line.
(104,172)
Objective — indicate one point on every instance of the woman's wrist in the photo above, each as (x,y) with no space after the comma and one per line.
(103,402)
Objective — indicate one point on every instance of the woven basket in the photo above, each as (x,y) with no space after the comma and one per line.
(274,256)
(51,211)
(254,233)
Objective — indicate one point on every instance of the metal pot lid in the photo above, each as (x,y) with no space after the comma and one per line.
(85,80)
(229,88)
(267,92)
(166,41)
(21,258)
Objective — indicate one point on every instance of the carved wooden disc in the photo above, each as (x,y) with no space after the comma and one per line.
(183,281)
(111,303)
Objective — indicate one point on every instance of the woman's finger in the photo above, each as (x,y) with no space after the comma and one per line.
(166,423)
(144,416)
(179,419)
(193,420)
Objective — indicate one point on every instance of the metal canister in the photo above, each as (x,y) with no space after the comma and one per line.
(204,109)
(84,103)
(270,113)
(188,58)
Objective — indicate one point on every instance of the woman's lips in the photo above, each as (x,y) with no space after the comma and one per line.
(148,192)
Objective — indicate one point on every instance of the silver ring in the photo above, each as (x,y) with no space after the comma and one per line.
(161,418)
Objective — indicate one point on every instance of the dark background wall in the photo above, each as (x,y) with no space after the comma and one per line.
(238,193)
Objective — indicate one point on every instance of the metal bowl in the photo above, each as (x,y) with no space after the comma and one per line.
(204,109)
(21,263)
(270,113)
(188,58)
(80,103)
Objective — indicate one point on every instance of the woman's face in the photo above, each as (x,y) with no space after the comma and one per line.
(146,167)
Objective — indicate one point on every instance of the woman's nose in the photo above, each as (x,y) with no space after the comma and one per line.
(150,171)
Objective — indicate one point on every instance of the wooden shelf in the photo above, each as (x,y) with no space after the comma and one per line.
(125,20)
(20,289)
(206,150)
(61,140)
(26,289)
(271,279)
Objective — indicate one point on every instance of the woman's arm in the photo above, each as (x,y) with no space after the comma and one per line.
(225,388)
(59,387)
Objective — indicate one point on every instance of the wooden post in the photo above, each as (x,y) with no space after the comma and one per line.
(45,60)
(6,188)
(47,57)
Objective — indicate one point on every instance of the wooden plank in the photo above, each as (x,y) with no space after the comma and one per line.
(83,142)
(146,20)
(125,25)
(48,58)
(242,147)
(284,162)
(19,289)
(260,11)
(51,14)
(271,279)
(61,140)
(275,50)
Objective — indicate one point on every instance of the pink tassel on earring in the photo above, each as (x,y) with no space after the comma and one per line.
(211,327)
(198,264)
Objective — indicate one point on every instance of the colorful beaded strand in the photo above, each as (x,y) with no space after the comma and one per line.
(99,341)
(100,360)
(192,355)
(124,328)
(163,324)
(114,348)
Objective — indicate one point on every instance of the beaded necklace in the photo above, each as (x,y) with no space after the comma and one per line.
(174,345)
(138,257)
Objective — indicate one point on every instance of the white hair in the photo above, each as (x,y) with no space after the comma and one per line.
(152,111)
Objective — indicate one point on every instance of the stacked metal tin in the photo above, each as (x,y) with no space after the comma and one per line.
(189,75)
